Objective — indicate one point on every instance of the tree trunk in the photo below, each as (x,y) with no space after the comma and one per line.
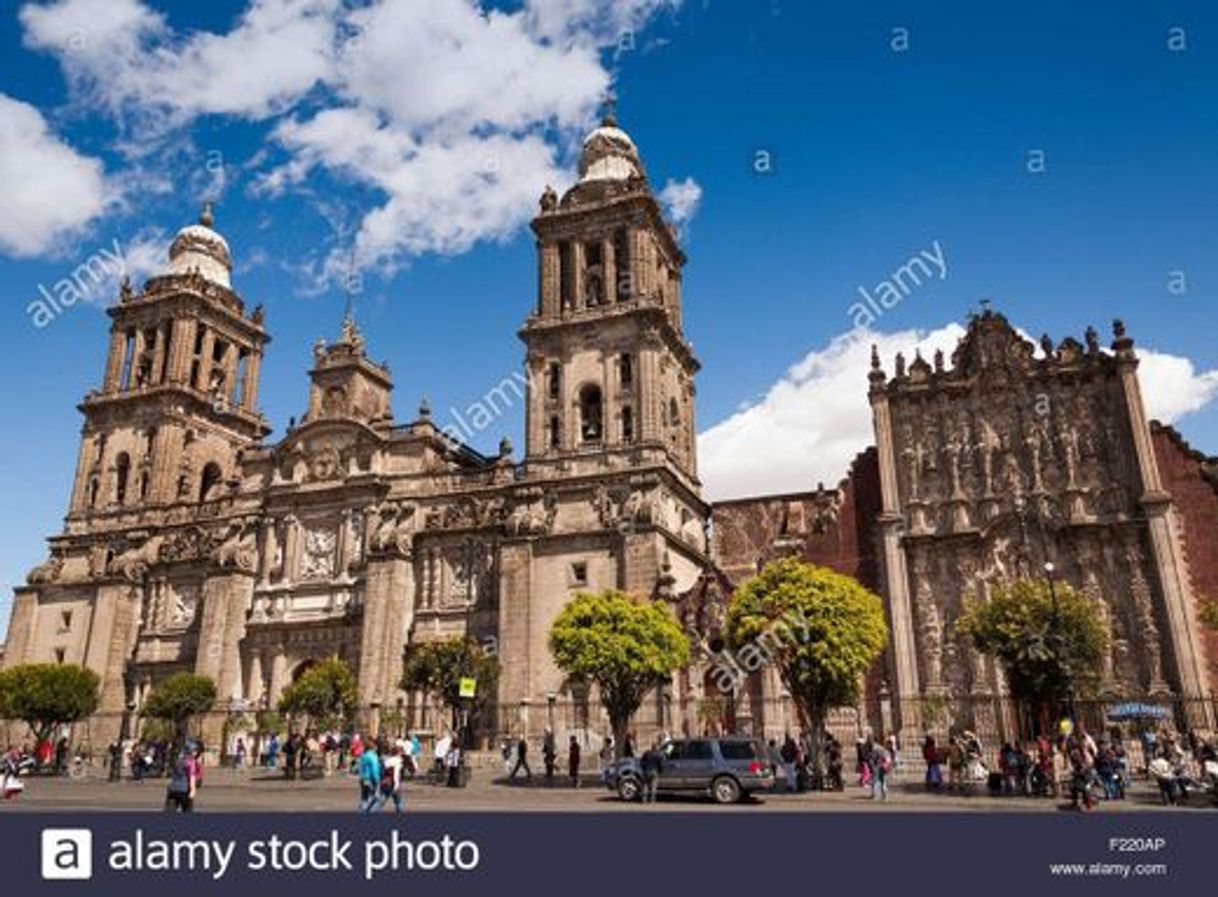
(619,720)
(816,722)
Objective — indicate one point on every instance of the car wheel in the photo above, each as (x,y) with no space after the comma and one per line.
(725,790)
(629,789)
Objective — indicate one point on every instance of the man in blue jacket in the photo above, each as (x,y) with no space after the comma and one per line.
(369,778)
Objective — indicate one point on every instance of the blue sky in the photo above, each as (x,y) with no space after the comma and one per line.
(415,138)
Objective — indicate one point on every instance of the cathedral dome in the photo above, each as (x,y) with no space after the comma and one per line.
(609,154)
(199,248)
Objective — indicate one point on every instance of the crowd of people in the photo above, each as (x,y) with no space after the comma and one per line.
(1075,764)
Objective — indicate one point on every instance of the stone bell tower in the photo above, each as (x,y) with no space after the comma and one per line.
(179,398)
(610,374)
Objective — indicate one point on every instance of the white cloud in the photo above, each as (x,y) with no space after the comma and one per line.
(811,423)
(1172,387)
(456,116)
(50,190)
(124,55)
(680,199)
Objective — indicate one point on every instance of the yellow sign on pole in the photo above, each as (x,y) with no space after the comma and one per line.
(469,687)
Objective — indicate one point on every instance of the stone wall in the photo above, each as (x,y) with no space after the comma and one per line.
(1192,480)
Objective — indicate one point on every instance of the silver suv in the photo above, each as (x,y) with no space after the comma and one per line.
(726,769)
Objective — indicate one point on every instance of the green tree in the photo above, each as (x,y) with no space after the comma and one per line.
(627,646)
(1050,642)
(179,698)
(821,630)
(326,693)
(437,667)
(47,695)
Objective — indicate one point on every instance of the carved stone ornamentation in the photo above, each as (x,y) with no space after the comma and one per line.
(239,548)
(326,463)
(46,572)
(318,558)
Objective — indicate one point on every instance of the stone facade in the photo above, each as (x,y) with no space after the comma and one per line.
(192,544)
(991,466)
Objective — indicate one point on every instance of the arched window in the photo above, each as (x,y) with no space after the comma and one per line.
(122,473)
(94,486)
(590,413)
(210,481)
(674,413)
(627,424)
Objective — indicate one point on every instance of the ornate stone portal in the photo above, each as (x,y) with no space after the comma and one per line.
(1005,462)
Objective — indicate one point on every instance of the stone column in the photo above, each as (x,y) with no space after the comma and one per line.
(182,352)
(649,423)
(136,351)
(550,276)
(577,275)
(291,548)
(111,637)
(609,270)
(270,547)
(205,360)
(1166,551)
(279,673)
(115,360)
(515,624)
(388,609)
(162,488)
(84,462)
(253,678)
(894,574)
(232,364)
(249,389)
(158,354)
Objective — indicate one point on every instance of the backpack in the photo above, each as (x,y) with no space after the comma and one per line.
(179,782)
(387,778)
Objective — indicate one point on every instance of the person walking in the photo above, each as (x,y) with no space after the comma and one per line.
(272,751)
(116,760)
(239,753)
(934,772)
(522,761)
(651,764)
(879,761)
(183,782)
(787,755)
(392,767)
(369,766)
(606,757)
(291,756)
(573,761)
(452,763)
(549,755)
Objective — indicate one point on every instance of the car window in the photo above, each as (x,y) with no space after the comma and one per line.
(698,750)
(674,750)
(738,750)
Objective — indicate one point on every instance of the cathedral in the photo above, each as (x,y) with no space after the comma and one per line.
(192,543)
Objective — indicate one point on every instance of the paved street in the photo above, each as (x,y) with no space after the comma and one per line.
(257,792)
